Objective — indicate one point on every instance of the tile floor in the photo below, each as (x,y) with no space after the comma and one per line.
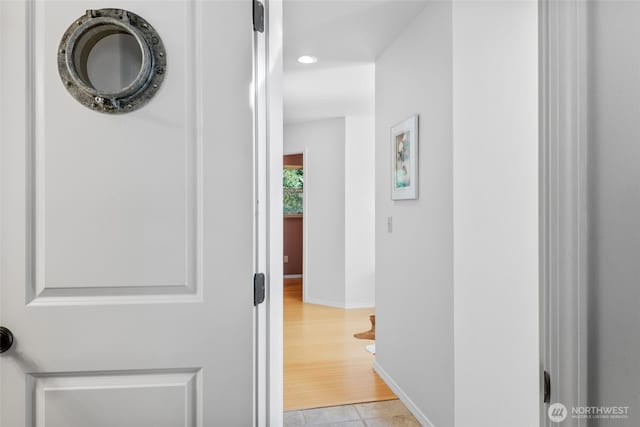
(388,413)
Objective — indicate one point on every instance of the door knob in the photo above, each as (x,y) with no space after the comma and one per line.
(6,339)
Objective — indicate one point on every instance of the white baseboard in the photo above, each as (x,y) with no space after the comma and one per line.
(370,305)
(328,303)
(337,304)
(422,418)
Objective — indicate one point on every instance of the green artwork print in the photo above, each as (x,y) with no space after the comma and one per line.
(292,186)
(403,160)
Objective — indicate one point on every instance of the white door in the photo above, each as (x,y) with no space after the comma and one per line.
(127,250)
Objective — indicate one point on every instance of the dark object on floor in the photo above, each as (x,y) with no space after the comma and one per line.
(371,333)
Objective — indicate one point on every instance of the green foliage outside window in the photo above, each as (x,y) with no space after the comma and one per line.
(292,185)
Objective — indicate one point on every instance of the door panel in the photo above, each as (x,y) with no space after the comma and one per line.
(160,399)
(116,194)
(127,240)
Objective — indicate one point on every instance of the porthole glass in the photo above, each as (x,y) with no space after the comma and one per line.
(111,60)
(113,63)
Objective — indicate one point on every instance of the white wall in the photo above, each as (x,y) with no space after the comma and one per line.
(414,263)
(457,278)
(323,145)
(614,211)
(339,209)
(495,174)
(360,211)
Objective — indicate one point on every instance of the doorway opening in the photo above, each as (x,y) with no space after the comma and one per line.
(330,54)
(328,348)
(293,211)
(329,205)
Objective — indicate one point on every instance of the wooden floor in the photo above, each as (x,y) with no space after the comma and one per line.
(323,364)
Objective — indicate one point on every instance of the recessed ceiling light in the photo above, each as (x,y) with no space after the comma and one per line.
(306,59)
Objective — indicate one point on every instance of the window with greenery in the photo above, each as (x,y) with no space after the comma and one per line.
(292,185)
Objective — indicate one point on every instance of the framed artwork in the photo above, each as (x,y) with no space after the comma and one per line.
(404,159)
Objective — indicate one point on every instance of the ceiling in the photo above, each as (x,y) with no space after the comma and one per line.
(346,36)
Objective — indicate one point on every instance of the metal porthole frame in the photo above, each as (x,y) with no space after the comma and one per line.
(81,37)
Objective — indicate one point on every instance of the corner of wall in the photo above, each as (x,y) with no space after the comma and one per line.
(323,143)
(359,211)
(404,397)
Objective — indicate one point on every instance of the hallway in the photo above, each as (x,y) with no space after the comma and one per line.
(323,364)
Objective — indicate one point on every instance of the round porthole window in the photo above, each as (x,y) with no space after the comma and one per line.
(111,60)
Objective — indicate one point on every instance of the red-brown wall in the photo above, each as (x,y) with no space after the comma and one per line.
(293,160)
(293,244)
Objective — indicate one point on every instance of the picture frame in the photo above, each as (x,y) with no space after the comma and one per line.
(404,159)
